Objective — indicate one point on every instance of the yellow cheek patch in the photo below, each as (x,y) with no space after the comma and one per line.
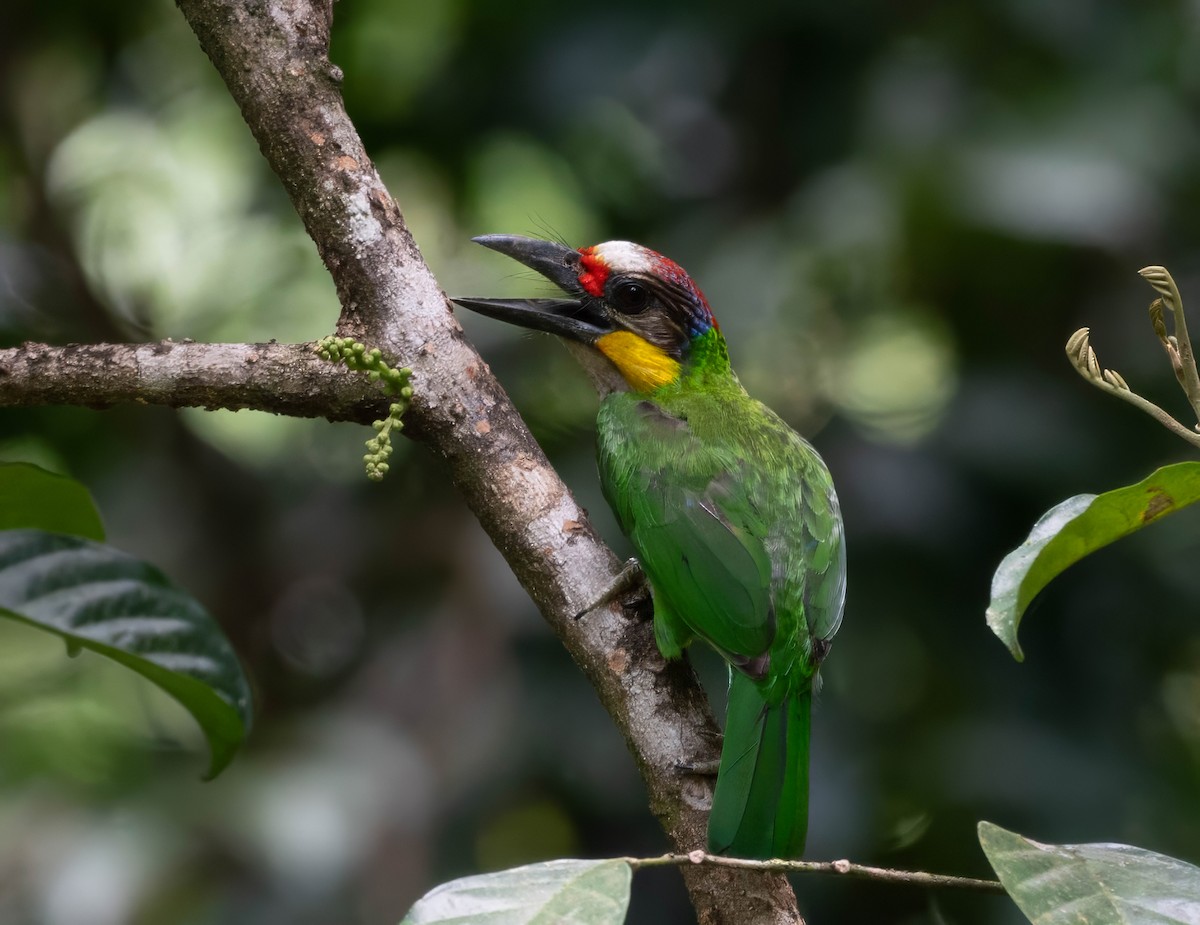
(644,366)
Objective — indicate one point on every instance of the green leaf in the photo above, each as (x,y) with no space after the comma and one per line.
(578,892)
(1076,528)
(98,598)
(1092,884)
(30,496)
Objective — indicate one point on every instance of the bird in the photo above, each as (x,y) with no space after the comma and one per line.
(732,514)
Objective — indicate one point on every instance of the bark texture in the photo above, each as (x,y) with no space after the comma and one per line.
(273,57)
(283,378)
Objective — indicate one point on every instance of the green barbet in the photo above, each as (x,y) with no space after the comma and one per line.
(732,513)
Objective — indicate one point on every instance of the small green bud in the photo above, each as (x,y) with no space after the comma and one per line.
(358,357)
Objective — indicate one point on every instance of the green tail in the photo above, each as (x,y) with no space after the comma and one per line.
(760,808)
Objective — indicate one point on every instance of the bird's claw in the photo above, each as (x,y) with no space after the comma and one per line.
(708,768)
(630,587)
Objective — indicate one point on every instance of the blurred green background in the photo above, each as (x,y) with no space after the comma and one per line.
(899,213)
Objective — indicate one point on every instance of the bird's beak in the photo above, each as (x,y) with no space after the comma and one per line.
(576,318)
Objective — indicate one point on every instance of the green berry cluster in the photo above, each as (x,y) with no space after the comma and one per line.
(395,383)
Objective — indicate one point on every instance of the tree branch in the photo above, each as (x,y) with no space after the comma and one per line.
(272,55)
(281,378)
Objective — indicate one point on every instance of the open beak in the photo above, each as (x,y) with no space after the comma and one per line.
(576,318)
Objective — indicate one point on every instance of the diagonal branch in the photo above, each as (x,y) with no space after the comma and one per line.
(273,56)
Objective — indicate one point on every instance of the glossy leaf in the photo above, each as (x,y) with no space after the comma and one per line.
(1076,528)
(32,497)
(1099,884)
(98,598)
(578,892)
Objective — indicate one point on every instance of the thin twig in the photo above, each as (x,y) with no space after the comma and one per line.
(841,867)
(1083,358)
(1179,346)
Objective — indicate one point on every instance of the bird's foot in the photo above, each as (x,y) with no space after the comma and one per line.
(704,767)
(630,588)
(707,768)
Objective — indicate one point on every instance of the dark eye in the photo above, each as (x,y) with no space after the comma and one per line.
(629,298)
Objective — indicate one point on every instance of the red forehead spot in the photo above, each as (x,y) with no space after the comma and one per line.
(595,271)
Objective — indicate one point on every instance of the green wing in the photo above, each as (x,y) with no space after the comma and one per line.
(697,534)
(702,551)
(824,554)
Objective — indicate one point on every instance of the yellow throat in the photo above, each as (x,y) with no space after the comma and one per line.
(644,366)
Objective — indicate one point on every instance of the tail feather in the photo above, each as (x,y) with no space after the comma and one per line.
(760,808)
